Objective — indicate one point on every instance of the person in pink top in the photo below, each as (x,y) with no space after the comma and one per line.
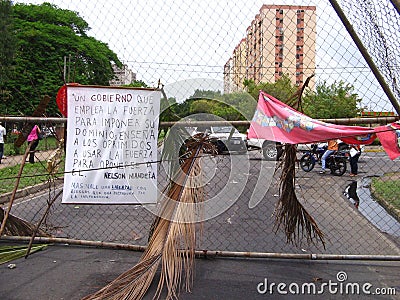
(34,138)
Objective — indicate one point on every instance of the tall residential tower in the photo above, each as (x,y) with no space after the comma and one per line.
(280,40)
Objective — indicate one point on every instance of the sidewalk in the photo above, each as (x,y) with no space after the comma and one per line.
(9,161)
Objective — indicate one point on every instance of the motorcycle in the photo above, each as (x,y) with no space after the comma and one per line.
(337,162)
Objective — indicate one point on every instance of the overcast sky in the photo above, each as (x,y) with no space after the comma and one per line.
(183,42)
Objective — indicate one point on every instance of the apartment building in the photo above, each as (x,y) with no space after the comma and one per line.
(123,76)
(280,40)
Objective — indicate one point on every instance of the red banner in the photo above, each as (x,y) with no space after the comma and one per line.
(276,121)
(389,136)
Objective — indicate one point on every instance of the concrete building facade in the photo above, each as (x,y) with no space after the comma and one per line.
(123,76)
(280,40)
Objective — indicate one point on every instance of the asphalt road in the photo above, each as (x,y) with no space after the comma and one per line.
(241,194)
(71,272)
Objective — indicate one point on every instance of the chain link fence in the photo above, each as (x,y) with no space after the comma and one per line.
(242,193)
(188,46)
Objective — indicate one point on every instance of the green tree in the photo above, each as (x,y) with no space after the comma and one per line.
(7,39)
(212,103)
(45,35)
(243,103)
(206,94)
(282,89)
(168,110)
(7,51)
(137,83)
(331,101)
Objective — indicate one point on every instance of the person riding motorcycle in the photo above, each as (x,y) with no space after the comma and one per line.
(333,146)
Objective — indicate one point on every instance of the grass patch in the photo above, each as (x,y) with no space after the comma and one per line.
(386,190)
(32,174)
(48,143)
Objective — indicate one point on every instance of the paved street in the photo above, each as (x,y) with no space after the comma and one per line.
(233,184)
(71,272)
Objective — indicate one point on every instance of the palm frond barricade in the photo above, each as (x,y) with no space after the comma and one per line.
(290,213)
(173,235)
(15,226)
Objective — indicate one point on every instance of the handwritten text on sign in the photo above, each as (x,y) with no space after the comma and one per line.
(111,144)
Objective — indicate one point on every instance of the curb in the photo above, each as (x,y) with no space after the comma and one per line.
(5,198)
(393,211)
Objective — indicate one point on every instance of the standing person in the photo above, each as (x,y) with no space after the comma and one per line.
(34,138)
(2,135)
(355,152)
(333,146)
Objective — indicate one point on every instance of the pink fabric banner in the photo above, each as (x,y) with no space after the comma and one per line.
(389,136)
(276,121)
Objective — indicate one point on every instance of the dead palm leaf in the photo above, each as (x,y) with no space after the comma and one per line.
(15,226)
(290,213)
(297,222)
(172,242)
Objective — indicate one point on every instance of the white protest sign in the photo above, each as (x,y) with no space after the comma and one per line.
(111,145)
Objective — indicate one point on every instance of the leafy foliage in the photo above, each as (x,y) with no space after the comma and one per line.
(331,101)
(7,40)
(46,34)
(137,83)
(9,253)
(236,106)
(282,89)
(327,101)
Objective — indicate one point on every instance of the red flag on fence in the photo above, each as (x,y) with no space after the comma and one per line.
(389,135)
(276,121)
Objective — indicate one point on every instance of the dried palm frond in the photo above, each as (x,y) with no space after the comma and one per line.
(173,148)
(172,241)
(54,160)
(15,226)
(297,222)
(295,100)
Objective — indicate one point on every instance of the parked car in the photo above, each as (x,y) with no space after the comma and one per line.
(228,139)
(271,150)
(48,131)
